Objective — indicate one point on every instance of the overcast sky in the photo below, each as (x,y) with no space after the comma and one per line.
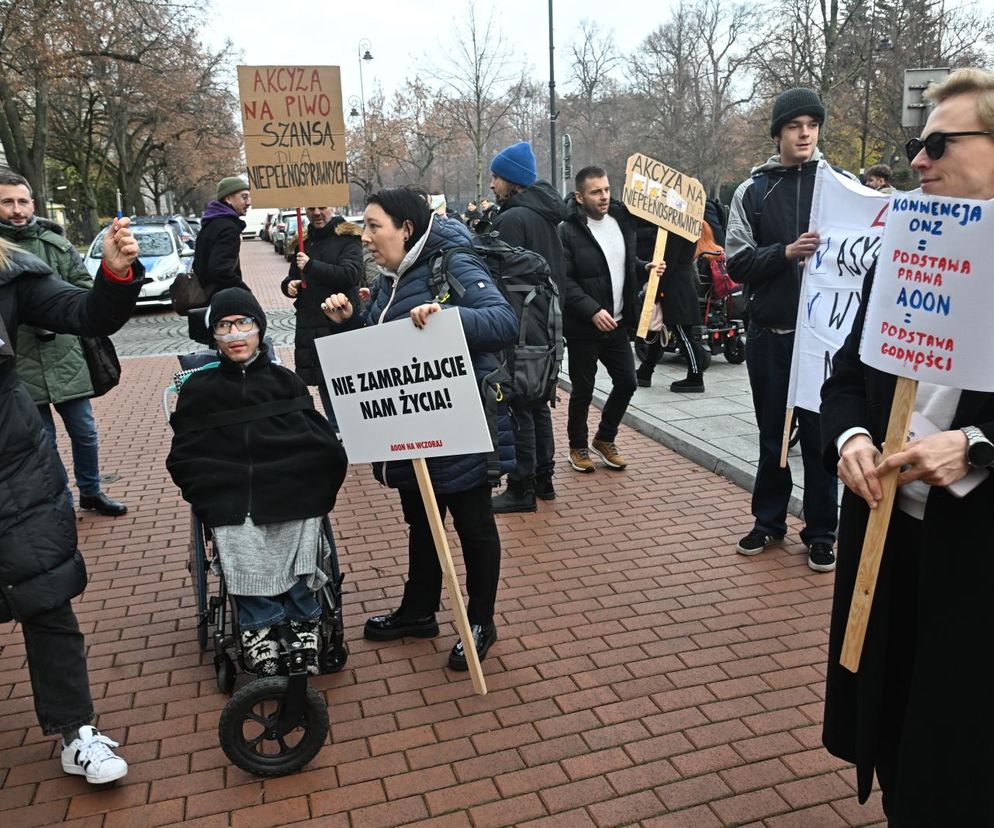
(402,32)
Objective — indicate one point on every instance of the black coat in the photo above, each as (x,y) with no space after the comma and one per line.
(529,219)
(40,565)
(278,468)
(215,257)
(946,774)
(678,285)
(587,287)
(335,266)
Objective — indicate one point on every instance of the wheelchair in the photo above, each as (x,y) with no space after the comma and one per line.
(272,725)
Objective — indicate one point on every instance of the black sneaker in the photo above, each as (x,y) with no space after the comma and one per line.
(544,490)
(483,637)
(755,542)
(821,557)
(397,625)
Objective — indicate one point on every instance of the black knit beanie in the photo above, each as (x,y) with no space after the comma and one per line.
(236,300)
(792,104)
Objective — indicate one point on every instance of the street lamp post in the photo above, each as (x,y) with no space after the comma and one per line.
(883,45)
(552,98)
(364,55)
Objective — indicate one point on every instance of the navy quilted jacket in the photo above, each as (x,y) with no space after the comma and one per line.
(490,325)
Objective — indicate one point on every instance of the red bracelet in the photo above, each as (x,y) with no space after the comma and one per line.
(109,274)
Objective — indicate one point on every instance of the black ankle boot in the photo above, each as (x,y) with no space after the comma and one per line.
(643,375)
(517,497)
(694,384)
(544,489)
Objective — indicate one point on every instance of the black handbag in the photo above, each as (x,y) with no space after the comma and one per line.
(186,292)
(102,362)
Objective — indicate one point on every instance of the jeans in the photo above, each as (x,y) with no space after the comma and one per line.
(768,357)
(57,667)
(615,352)
(257,611)
(473,517)
(534,443)
(77,416)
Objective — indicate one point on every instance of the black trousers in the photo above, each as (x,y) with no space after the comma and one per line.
(614,351)
(768,357)
(57,667)
(534,443)
(473,518)
(692,349)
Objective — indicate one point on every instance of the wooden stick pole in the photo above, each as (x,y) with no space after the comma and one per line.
(652,288)
(876,528)
(449,575)
(788,421)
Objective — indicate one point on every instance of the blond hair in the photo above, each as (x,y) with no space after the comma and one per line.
(968,82)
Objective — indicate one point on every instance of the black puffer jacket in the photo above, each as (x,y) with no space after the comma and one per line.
(529,219)
(587,286)
(756,251)
(335,266)
(282,467)
(219,243)
(40,566)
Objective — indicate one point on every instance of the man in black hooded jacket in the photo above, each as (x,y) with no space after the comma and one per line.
(530,211)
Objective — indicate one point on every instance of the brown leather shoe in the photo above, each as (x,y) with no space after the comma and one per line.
(580,460)
(608,453)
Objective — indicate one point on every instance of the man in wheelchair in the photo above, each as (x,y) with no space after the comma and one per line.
(261,468)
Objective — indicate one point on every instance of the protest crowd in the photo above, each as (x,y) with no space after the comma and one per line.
(262,466)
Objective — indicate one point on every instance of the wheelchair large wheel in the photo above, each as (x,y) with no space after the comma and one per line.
(198,571)
(247,729)
(735,350)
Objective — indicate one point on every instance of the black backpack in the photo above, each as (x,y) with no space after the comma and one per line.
(524,278)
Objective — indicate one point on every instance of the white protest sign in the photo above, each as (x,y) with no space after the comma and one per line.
(400,392)
(927,316)
(849,219)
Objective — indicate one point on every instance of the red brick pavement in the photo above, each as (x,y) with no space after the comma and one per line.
(645,673)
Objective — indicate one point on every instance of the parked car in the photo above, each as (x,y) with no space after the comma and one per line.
(194,222)
(160,251)
(179,223)
(254,220)
(290,240)
(267,228)
(283,222)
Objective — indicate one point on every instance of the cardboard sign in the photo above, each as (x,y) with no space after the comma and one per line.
(928,313)
(400,392)
(849,218)
(294,135)
(664,196)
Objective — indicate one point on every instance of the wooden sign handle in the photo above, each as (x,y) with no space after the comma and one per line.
(652,288)
(876,528)
(786,437)
(449,575)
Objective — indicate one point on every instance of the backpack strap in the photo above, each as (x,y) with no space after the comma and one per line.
(220,419)
(760,187)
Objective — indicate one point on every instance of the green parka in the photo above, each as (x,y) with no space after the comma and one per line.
(52,369)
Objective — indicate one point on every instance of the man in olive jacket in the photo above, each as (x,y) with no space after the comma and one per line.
(52,366)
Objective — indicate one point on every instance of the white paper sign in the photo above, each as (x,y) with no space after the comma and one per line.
(400,392)
(928,316)
(849,219)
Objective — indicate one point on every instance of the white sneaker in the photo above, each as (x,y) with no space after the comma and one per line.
(90,755)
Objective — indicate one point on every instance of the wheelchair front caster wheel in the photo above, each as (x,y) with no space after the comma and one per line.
(224,673)
(248,729)
(334,658)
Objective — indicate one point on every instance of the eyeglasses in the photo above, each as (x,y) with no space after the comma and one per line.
(935,144)
(245,324)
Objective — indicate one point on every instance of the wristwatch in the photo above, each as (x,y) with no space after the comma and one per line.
(979,450)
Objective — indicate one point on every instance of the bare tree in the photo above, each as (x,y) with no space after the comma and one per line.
(480,85)
(593,56)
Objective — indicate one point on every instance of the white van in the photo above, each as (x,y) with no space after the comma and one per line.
(255,220)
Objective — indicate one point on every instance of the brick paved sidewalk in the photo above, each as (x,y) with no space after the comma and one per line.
(645,673)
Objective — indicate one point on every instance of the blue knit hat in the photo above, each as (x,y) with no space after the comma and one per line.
(516,164)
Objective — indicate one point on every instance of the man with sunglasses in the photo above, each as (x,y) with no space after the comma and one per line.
(918,711)
(767,244)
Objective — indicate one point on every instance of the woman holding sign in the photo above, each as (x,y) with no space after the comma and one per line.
(918,709)
(404,237)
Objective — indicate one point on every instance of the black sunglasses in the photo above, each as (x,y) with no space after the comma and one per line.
(935,144)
